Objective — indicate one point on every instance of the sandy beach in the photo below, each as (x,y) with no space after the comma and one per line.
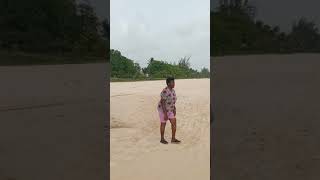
(52,122)
(266,117)
(136,152)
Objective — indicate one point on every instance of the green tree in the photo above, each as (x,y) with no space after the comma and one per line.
(205,73)
(51,26)
(234,31)
(304,35)
(184,63)
(105,29)
(122,67)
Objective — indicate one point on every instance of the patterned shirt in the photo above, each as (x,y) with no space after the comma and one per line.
(170,98)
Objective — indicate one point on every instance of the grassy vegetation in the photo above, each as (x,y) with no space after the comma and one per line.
(125,69)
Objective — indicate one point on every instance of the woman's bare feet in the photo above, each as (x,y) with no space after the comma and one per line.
(163,141)
(176,141)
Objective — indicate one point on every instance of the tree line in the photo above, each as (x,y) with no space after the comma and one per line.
(125,68)
(234,30)
(58,27)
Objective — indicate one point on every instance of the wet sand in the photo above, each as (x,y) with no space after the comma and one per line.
(136,152)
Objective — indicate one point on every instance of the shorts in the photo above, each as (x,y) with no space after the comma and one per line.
(161,115)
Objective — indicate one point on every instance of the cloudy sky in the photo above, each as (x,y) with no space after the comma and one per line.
(165,30)
(284,12)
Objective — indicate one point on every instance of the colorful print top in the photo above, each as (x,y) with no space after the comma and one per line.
(170,99)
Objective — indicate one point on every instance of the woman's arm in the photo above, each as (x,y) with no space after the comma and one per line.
(163,105)
(164,109)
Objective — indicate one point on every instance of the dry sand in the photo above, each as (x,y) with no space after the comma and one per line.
(266,117)
(136,152)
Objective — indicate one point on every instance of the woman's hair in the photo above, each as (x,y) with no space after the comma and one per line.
(169,79)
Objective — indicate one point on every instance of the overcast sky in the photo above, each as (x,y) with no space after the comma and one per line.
(284,12)
(165,30)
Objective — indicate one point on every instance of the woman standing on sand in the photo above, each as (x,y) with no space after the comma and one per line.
(167,110)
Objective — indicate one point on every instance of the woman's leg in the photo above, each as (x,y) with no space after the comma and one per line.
(174,128)
(162,128)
